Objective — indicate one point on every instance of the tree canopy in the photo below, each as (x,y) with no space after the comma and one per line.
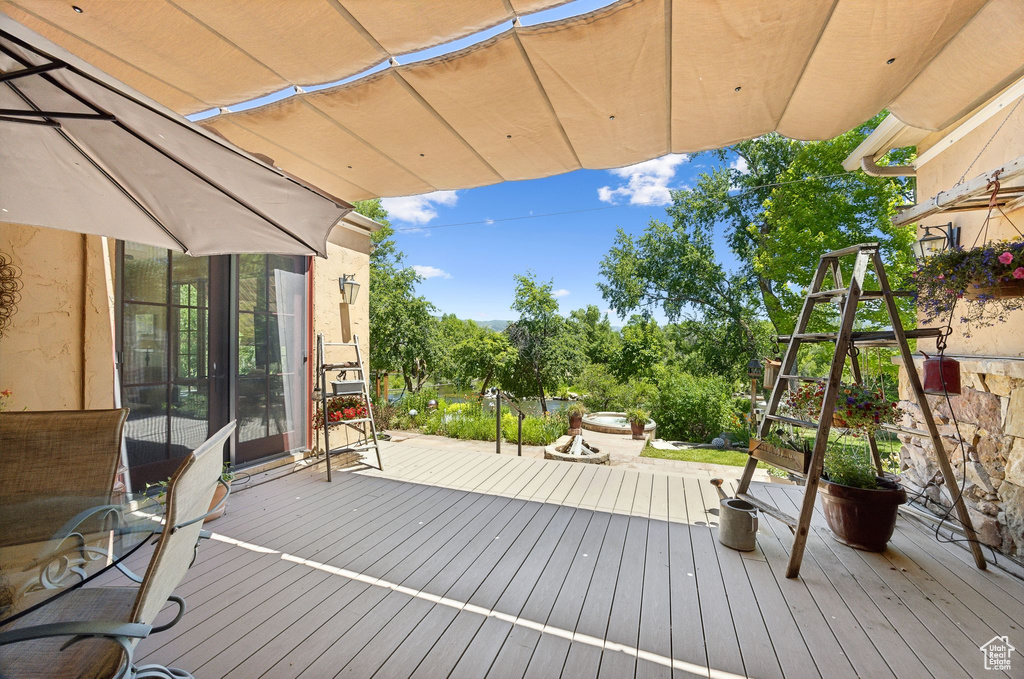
(780,204)
(549,352)
(403,336)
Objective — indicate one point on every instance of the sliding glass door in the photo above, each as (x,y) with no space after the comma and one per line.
(271,406)
(203,340)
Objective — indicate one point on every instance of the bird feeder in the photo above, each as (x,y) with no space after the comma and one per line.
(771,372)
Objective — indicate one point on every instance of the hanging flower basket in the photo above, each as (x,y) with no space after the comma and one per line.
(986,282)
(858,409)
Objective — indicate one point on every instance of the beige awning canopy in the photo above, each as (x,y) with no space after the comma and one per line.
(630,82)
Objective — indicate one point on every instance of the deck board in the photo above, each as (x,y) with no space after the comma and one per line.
(460,564)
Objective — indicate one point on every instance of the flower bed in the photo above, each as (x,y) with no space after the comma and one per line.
(988,282)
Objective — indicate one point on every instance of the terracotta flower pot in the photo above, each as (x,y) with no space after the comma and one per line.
(218,495)
(863,519)
(638,430)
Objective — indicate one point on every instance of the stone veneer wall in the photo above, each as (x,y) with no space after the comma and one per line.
(990,413)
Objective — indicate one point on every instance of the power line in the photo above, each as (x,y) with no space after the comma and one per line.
(609,207)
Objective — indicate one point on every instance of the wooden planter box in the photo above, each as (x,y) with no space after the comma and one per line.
(784,458)
(1003,290)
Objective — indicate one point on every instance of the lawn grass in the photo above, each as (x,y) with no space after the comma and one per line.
(738,457)
(733,458)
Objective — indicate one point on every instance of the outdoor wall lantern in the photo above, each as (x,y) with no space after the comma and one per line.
(349,288)
(945,237)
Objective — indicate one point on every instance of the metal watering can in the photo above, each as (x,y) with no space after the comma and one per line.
(737,521)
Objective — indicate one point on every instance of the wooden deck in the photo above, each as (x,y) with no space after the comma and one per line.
(458,564)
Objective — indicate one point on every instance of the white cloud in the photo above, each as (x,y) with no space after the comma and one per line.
(430,271)
(647,182)
(561,292)
(740,165)
(418,209)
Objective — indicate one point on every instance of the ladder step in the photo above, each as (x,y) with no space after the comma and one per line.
(830,295)
(355,420)
(342,366)
(852,250)
(803,378)
(873,336)
(770,510)
(791,420)
(896,429)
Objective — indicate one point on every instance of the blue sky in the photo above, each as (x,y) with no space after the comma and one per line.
(468,270)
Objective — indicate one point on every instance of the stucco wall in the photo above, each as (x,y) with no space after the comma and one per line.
(348,253)
(985,443)
(58,352)
(941,174)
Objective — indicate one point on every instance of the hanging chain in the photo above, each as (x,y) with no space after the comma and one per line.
(1010,113)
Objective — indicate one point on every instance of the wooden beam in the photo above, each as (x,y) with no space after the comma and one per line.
(949,199)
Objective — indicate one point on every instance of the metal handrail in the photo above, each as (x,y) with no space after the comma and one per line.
(519,423)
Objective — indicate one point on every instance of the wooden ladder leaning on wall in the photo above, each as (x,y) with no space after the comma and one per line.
(846,340)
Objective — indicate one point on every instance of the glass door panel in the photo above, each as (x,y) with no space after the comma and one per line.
(164,345)
(271,355)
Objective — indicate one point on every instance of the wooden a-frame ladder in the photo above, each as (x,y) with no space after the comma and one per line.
(846,342)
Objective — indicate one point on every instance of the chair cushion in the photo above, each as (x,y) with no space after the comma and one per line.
(87,659)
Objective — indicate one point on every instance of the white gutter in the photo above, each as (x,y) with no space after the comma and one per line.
(870,167)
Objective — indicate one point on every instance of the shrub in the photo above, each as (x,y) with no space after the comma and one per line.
(602,391)
(384,413)
(691,408)
(537,431)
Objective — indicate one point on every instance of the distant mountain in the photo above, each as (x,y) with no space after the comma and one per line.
(497,326)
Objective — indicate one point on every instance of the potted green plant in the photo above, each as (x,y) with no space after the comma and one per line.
(575,411)
(637,418)
(988,283)
(860,507)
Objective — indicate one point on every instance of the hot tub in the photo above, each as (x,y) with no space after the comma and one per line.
(613,423)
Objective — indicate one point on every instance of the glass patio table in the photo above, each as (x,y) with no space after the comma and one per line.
(50,544)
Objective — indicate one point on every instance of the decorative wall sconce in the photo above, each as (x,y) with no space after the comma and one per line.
(349,288)
(945,237)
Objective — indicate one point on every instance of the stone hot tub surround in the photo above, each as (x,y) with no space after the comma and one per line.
(990,414)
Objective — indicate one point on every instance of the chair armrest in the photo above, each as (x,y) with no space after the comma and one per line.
(98,628)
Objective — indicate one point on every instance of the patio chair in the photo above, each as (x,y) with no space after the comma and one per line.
(92,632)
(56,464)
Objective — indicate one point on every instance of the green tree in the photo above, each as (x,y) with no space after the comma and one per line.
(675,268)
(642,348)
(482,355)
(795,201)
(548,351)
(785,204)
(601,343)
(403,331)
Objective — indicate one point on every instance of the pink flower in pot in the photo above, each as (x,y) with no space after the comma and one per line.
(1005,258)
